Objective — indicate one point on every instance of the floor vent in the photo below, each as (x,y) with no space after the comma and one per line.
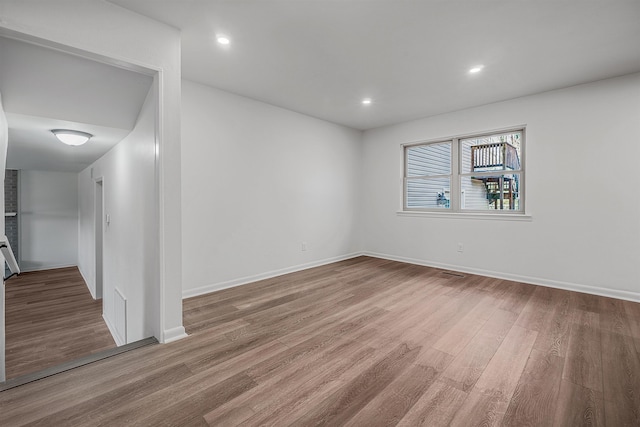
(451,273)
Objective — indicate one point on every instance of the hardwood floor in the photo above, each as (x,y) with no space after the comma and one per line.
(51,318)
(365,342)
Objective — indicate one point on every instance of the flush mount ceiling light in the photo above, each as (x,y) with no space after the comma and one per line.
(366,101)
(476,69)
(222,39)
(71,137)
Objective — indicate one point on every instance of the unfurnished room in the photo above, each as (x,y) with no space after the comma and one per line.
(320,212)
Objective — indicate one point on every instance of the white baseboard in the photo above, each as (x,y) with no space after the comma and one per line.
(188,293)
(114,333)
(86,282)
(45,267)
(173,334)
(612,293)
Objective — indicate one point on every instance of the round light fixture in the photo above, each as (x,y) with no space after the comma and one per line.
(366,101)
(71,137)
(222,39)
(476,69)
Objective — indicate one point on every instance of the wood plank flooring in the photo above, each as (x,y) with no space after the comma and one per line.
(51,318)
(365,342)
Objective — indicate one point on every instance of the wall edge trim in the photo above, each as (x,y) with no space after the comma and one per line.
(173,334)
(113,331)
(188,293)
(86,282)
(48,267)
(537,281)
(568,286)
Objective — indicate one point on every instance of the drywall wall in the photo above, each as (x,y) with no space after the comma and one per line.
(48,219)
(4,143)
(86,230)
(581,158)
(258,181)
(116,35)
(129,248)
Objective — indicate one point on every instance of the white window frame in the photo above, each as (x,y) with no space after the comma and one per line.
(455,209)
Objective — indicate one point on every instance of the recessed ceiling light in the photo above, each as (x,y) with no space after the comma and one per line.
(476,69)
(71,137)
(366,101)
(222,39)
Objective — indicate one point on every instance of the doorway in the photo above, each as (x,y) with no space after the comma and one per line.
(107,123)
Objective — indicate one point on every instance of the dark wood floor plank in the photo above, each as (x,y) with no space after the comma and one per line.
(343,318)
(501,376)
(192,387)
(359,342)
(397,295)
(443,318)
(302,381)
(580,406)
(553,335)
(615,317)
(78,385)
(89,411)
(51,318)
(479,409)
(471,362)
(312,348)
(392,404)
(406,324)
(456,338)
(621,379)
(535,397)
(515,296)
(231,418)
(586,302)
(183,411)
(633,316)
(421,305)
(583,364)
(535,313)
(436,407)
(339,408)
(632,311)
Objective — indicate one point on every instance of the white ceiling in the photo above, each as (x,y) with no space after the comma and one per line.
(44,89)
(32,146)
(321,57)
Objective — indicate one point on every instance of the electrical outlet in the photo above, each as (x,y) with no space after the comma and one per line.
(304,246)
(460,247)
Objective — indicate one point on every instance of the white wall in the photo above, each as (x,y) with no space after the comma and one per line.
(110,32)
(48,203)
(257,182)
(581,162)
(130,245)
(86,230)
(4,143)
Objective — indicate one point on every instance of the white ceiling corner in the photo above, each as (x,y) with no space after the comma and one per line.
(43,89)
(322,57)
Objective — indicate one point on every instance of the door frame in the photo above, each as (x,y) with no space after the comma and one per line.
(161,332)
(98,229)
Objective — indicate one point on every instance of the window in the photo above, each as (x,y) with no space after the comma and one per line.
(478,173)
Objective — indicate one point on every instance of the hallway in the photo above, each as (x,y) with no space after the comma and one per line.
(51,318)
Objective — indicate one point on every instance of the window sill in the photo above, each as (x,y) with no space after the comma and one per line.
(461,215)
